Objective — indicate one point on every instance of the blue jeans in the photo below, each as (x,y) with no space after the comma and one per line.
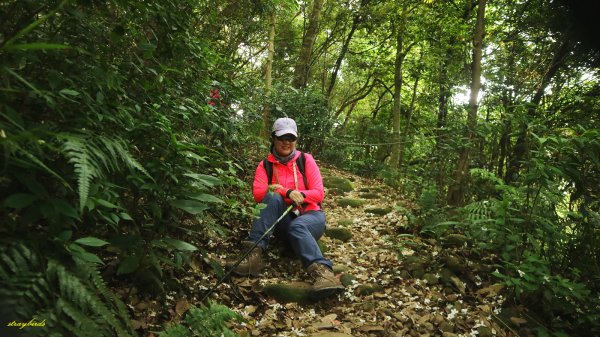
(301,232)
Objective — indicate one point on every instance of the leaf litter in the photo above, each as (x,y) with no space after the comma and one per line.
(397,285)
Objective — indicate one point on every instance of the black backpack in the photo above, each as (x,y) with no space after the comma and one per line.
(301,167)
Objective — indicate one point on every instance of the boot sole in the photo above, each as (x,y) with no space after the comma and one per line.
(254,273)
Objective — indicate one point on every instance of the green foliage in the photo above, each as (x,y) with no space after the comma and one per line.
(533,280)
(71,297)
(515,225)
(92,156)
(309,108)
(112,147)
(206,321)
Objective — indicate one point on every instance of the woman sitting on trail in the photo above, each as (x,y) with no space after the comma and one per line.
(302,227)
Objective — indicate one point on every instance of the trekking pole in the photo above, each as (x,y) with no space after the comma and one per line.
(237,263)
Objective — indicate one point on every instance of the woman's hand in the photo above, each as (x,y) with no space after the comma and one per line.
(296,197)
(274,187)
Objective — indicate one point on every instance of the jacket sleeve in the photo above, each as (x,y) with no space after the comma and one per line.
(261,185)
(313,176)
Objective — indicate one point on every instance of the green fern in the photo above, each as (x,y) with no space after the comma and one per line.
(93,157)
(428,199)
(479,211)
(74,300)
(205,321)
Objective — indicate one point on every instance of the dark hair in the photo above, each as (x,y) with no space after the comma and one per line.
(272,142)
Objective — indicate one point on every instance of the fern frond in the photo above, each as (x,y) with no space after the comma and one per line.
(94,275)
(74,289)
(79,317)
(479,211)
(86,168)
(75,300)
(92,157)
(118,150)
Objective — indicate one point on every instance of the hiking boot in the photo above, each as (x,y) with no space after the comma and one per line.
(252,264)
(324,281)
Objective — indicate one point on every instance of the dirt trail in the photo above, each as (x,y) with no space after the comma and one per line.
(399,284)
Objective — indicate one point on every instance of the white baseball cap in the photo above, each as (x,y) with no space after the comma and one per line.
(283,126)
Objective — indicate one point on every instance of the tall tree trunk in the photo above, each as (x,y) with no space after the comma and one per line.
(302,70)
(266,115)
(521,148)
(456,191)
(408,116)
(508,104)
(442,114)
(338,62)
(443,99)
(396,136)
(504,146)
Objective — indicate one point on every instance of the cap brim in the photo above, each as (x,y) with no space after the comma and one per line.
(285,132)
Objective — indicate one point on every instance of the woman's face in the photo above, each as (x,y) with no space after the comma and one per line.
(285,144)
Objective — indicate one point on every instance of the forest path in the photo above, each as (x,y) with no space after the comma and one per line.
(398,284)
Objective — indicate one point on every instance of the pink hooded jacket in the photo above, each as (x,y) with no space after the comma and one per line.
(285,174)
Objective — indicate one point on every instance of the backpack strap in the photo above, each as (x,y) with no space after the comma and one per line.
(269,169)
(301,162)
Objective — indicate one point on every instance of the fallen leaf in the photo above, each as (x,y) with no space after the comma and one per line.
(458,283)
(490,291)
(250,309)
(182,306)
(518,321)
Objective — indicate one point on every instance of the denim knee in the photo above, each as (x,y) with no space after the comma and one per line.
(272,197)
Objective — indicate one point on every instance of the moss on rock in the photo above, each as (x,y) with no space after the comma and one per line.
(298,292)
(378,210)
(347,279)
(339,183)
(367,289)
(350,202)
(342,234)
(336,191)
(345,222)
(455,240)
(370,196)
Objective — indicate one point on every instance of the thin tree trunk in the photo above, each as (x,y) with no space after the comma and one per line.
(440,133)
(378,105)
(301,72)
(360,94)
(266,115)
(504,146)
(456,191)
(408,116)
(338,62)
(343,126)
(396,136)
